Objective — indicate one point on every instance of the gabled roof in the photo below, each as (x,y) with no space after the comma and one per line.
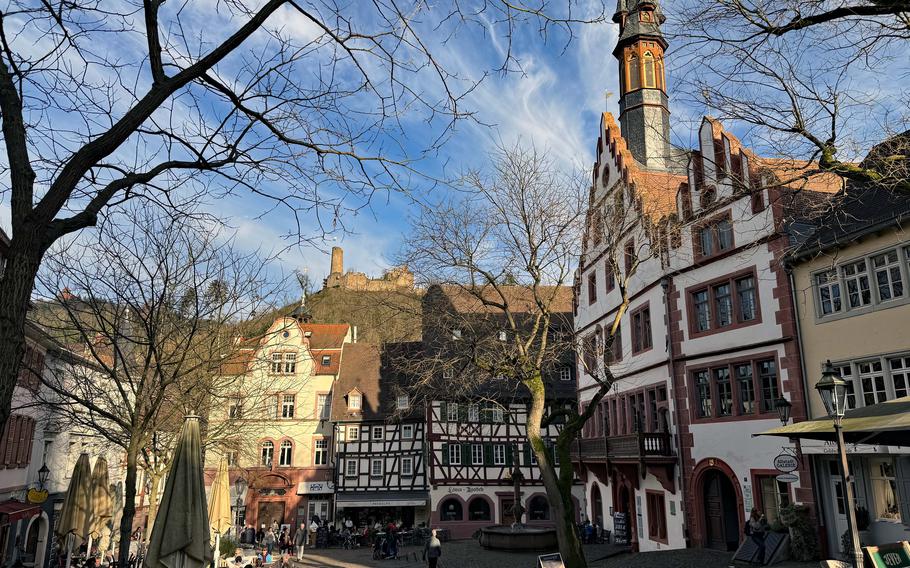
(800,174)
(325,335)
(519,298)
(379,375)
(334,361)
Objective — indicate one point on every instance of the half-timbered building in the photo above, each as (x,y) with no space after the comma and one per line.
(476,437)
(380,471)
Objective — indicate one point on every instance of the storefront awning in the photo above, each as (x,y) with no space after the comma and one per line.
(12,511)
(384,499)
(886,423)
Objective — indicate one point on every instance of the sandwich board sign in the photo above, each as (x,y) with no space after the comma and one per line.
(894,555)
(550,561)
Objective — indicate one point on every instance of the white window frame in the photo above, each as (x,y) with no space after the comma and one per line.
(270,445)
(289,446)
(352,434)
(503,335)
(448,373)
(455,456)
(407,467)
(290,363)
(850,372)
(473,413)
(893,273)
(352,397)
(326,360)
(320,451)
(407,431)
(350,468)
(402,402)
(827,280)
(288,402)
(452,412)
(456,334)
(499,454)
(277,365)
(875,478)
(871,375)
(323,405)
(373,469)
(476,454)
(381,434)
(497,415)
(235,409)
(565,374)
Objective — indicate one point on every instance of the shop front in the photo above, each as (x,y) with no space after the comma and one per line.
(316,500)
(365,509)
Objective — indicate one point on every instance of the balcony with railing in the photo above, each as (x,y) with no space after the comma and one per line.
(638,446)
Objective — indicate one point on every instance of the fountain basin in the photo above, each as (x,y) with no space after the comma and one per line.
(505,537)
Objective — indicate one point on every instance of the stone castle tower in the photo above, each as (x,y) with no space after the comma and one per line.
(398,278)
(644,109)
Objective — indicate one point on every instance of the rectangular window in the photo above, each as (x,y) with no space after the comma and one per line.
(724,235)
(326,360)
(714,237)
(611,278)
(276,363)
(473,413)
(767,378)
(723,305)
(872,382)
(629,256)
(452,412)
(321,452)
(290,363)
(376,467)
(592,287)
(407,431)
(477,454)
(235,409)
(455,454)
(499,454)
(641,330)
(746,387)
(846,373)
(350,468)
(886,268)
(496,414)
(287,406)
(745,291)
(354,401)
(774,496)
(456,334)
(724,391)
(614,354)
(589,354)
(232,456)
(702,310)
(900,375)
(657,517)
(565,374)
(323,406)
(377,433)
(353,433)
(402,402)
(856,279)
(284,454)
(448,373)
(407,467)
(829,297)
(884,490)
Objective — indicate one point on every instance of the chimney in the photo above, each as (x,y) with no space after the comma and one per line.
(337,260)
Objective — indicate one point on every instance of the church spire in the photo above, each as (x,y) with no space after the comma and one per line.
(644,113)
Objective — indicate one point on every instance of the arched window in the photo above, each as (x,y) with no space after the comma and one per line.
(450,510)
(479,510)
(539,509)
(634,73)
(267,452)
(649,70)
(284,456)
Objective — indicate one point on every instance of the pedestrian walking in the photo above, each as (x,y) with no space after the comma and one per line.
(300,540)
(270,541)
(432,550)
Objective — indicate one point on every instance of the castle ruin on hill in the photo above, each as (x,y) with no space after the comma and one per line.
(394,279)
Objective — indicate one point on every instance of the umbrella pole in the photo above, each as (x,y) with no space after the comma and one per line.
(217,548)
(88,548)
(69,555)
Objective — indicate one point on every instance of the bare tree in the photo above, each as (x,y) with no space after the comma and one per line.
(151,305)
(305,104)
(508,244)
(806,77)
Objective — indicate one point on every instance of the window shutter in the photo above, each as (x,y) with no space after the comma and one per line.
(466,456)
(443,412)
(4,441)
(903,487)
(25,437)
(526,448)
(488,454)
(509,454)
(12,441)
(462,413)
(445,454)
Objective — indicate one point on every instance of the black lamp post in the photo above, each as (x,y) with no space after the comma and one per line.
(43,475)
(783,407)
(833,391)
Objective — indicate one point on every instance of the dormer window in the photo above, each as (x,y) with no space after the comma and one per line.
(645,16)
(326,360)
(354,401)
(402,402)
(456,334)
(503,336)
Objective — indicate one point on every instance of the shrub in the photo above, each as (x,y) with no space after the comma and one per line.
(803,532)
(227,547)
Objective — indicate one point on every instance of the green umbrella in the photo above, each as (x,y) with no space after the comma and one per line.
(180,537)
(75,516)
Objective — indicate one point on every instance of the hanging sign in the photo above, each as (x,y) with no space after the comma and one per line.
(787,478)
(895,555)
(550,561)
(786,463)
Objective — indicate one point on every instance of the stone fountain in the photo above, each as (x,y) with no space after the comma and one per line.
(517,536)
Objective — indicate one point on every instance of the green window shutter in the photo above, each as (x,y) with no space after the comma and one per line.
(509,449)
(462,413)
(488,454)
(443,412)
(445,454)
(526,448)
(466,454)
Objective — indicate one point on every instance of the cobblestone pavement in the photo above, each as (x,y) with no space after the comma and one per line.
(469,554)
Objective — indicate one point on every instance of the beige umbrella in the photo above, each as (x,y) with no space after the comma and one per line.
(220,504)
(180,537)
(75,516)
(101,502)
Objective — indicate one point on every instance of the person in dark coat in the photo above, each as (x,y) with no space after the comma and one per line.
(300,540)
(432,550)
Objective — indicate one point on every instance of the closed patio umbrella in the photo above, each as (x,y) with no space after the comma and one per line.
(101,502)
(220,504)
(180,537)
(75,516)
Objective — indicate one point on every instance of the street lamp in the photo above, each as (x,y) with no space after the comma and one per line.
(833,391)
(783,406)
(43,475)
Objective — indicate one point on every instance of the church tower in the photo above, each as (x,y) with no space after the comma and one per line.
(644,114)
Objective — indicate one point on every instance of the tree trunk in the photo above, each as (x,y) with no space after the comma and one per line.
(129,504)
(16,286)
(153,503)
(559,495)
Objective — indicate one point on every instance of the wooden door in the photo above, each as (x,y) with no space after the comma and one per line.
(714,513)
(270,511)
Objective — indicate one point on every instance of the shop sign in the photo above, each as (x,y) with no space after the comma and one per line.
(787,478)
(895,555)
(550,561)
(315,487)
(786,463)
(620,529)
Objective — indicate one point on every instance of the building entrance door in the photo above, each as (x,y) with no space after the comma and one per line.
(839,505)
(271,511)
(721,517)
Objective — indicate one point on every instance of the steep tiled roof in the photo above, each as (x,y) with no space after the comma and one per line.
(800,174)
(520,298)
(238,363)
(360,364)
(325,335)
(334,361)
